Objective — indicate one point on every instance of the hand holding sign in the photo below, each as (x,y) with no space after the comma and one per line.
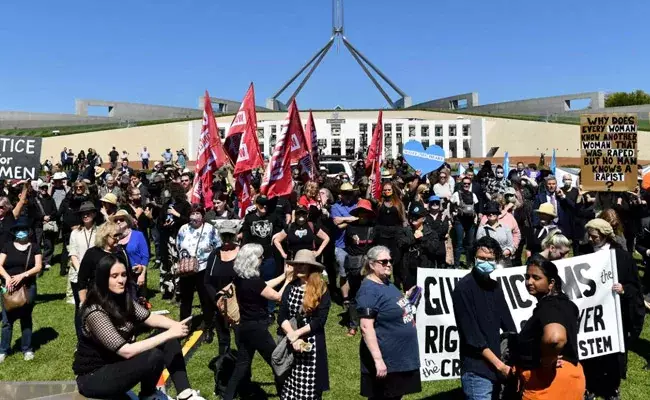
(421,160)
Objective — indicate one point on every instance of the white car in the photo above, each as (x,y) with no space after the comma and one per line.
(336,167)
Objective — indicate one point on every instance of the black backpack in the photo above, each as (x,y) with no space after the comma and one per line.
(223,367)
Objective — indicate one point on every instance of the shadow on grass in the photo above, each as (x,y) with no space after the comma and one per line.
(454,394)
(39,338)
(642,347)
(46,298)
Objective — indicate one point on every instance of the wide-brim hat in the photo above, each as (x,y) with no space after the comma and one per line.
(546,208)
(109,198)
(346,187)
(21,223)
(87,206)
(58,176)
(121,213)
(362,205)
(385,174)
(306,257)
(492,207)
(99,171)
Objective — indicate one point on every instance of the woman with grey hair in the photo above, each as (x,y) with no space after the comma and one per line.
(390,364)
(253,294)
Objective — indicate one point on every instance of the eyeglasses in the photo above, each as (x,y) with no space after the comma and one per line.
(79,187)
(185,180)
(117,236)
(385,262)
(492,214)
(443,176)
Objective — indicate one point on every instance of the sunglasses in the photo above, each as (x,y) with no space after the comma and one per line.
(79,187)
(84,215)
(385,262)
(185,180)
(117,236)
(467,184)
(119,220)
(388,190)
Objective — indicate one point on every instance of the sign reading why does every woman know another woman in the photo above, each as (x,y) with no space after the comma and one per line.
(587,281)
(20,157)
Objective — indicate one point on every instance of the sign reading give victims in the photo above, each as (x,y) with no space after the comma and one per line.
(20,157)
(587,281)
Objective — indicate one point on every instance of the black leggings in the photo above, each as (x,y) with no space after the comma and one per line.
(188,285)
(114,380)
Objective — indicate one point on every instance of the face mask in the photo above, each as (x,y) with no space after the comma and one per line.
(484,267)
(567,184)
(21,235)
(387,196)
(300,220)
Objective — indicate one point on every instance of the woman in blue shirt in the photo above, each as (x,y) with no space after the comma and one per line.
(136,248)
(390,363)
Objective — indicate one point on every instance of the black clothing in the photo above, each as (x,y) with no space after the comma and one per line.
(252,306)
(183,207)
(364,233)
(113,155)
(218,274)
(196,283)
(16,260)
(393,386)
(5,228)
(260,230)
(387,231)
(481,311)
(301,237)
(90,261)
(418,253)
(550,309)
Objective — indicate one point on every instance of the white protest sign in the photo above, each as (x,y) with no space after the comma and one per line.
(587,281)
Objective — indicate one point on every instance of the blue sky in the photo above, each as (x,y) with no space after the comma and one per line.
(168,52)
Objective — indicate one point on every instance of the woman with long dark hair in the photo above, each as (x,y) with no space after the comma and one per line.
(547,347)
(108,362)
(391,220)
(175,213)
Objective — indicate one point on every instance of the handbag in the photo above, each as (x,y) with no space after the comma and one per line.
(227,304)
(282,357)
(18,297)
(188,265)
(49,226)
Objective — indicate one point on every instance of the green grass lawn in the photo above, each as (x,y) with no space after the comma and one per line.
(54,342)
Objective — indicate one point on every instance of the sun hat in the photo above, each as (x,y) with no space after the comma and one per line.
(346,187)
(59,176)
(385,174)
(109,198)
(510,191)
(306,257)
(121,213)
(546,208)
(362,205)
(87,206)
(99,171)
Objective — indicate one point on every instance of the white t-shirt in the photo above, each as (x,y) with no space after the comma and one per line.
(144,155)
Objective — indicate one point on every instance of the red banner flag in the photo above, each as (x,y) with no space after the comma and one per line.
(242,190)
(244,130)
(299,147)
(277,177)
(210,157)
(312,144)
(375,157)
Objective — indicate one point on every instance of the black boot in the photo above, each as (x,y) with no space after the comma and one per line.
(208,336)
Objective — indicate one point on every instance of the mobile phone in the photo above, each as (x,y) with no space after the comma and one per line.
(416,295)
(187,321)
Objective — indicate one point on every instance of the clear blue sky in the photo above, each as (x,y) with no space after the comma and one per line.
(168,52)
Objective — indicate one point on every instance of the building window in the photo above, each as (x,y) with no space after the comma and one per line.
(335,129)
(373,127)
(398,129)
(452,130)
(322,144)
(272,141)
(222,133)
(425,143)
(453,151)
(260,133)
(411,130)
(363,128)
(388,151)
(363,140)
(262,148)
(336,147)
(424,130)
(438,130)
(466,148)
(439,143)
(349,147)
(465,130)
(273,129)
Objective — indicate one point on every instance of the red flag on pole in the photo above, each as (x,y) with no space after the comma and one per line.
(210,157)
(277,177)
(242,190)
(312,144)
(375,157)
(244,130)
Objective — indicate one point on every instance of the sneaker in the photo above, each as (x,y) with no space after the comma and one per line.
(2,358)
(646,300)
(157,395)
(47,267)
(28,356)
(70,301)
(189,394)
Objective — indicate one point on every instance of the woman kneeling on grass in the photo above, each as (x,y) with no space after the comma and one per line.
(108,361)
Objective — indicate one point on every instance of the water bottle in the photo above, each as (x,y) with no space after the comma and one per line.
(3,289)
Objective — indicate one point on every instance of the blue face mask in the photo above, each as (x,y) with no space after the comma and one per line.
(21,235)
(484,267)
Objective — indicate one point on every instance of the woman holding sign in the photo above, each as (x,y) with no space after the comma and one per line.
(547,357)
(604,373)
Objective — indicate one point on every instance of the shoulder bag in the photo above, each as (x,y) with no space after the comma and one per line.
(188,265)
(18,297)
(227,304)
(49,226)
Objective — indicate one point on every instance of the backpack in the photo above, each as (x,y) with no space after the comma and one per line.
(223,367)
(465,209)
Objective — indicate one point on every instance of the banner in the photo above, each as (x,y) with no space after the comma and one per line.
(242,190)
(312,140)
(20,157)
(277,180)
(243,132)
(587,281)
(608,145)
(422,160)
(375,157)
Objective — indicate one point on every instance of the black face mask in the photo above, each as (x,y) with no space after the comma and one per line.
(387,196)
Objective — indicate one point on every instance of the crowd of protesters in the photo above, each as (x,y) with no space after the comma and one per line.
(116,223)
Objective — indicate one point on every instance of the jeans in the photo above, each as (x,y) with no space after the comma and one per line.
(24,314)
(64,251)
(145,163)
(464,237)
(47,246)
(268,272)
(340,255)
(155,238)
(251,336)
(114,380)
(189,285)
(476,387)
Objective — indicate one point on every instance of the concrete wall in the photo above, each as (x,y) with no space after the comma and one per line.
(450,103)
(542,105)
(28,120)
(135,111)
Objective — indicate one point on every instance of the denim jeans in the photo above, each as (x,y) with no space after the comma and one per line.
(268,272)
(464,237)
(340,255)
(24,314)
(476,387)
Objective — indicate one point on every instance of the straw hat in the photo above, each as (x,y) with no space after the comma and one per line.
(346,187)
(546,208)
(109,198)
(306,257)
(99,171)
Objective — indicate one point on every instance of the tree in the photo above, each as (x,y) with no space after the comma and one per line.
(619,99)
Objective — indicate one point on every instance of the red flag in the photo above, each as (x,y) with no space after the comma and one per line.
(277,177)
(312,144)
(244,130)
(210,157)
(375,157)
(242,189)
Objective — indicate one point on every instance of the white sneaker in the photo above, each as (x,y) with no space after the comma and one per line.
(47,266)
(70,301)
(28,356)
(189,394)
(157,395)
(2,358)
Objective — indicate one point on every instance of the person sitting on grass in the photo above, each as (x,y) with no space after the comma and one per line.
(108,361)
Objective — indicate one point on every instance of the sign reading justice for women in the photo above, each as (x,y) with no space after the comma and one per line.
(609,152)
(20,157)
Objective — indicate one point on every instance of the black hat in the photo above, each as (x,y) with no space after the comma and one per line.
(262,200)
(417,211)
(492,207)
(21,223)
(410,177)
(302,210)
(87,206)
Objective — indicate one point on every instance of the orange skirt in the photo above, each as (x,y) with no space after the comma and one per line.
(565,383)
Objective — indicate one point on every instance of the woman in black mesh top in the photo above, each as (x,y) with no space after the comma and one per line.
(109,362)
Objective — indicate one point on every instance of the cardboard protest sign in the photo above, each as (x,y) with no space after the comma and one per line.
(423,160)
(20,157)
(608,145)
(587,281)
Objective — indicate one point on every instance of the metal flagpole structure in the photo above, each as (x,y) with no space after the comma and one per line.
(338,29)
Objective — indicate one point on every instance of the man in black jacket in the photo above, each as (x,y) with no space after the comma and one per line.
(48,228)
(419,244)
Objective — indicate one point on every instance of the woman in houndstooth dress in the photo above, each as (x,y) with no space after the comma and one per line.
(306,299)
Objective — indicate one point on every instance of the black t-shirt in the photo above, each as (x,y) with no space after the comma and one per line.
(551,309)
(5,226)
(219,273)
(260,230)
(89,264)
(301,237)
(113,155)
(17,260)
(282,208)
(252,306)
(364,233)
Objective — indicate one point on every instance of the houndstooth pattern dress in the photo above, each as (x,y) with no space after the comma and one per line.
(301,384)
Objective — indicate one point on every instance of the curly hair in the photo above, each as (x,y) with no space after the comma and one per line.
(248,261)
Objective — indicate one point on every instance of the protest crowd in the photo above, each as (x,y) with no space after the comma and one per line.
(281,256)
